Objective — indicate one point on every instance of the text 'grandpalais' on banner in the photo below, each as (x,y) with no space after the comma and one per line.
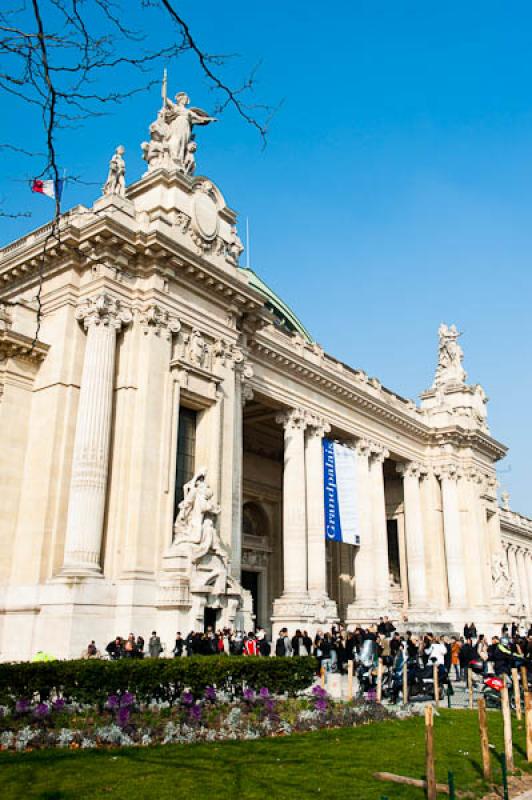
(342,522)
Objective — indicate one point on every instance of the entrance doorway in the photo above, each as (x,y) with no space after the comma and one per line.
(209,619)
(250,581)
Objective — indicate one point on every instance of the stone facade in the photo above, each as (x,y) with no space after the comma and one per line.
(116,516)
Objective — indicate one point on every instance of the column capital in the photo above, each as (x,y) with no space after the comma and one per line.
(449,471)
(103,309)
(378,453)
(412,469)
(362,447)
(474,475)
(317,426)
(158,320)
(293,419)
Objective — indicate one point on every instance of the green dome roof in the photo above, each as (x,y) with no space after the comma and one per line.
(284,315)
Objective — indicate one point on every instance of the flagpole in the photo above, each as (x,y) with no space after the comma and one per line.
(247,244)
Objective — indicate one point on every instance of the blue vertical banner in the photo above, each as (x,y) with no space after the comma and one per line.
(340,493)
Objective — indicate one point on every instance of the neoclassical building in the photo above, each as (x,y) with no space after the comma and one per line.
(162,413)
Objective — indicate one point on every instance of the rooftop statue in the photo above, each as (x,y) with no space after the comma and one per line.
(171,144)
(116,179)
(450,356)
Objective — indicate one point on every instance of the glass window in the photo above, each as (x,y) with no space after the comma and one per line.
(186,450)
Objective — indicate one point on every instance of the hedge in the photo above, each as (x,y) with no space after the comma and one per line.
(92,681)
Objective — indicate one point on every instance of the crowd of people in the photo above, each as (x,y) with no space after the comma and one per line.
(334,648)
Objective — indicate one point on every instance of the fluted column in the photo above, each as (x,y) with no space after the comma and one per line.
(454,552)
(523,578)
(512,563)
(243,394)
(380,528)
(102,318)
(528,562)
(365,578)
(414,534)
(317,559)
(294,502)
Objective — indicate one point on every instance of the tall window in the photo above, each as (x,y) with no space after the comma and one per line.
(186,448)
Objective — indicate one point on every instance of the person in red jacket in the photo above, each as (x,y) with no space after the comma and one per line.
(251,647)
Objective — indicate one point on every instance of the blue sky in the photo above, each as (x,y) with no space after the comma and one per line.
(395,191)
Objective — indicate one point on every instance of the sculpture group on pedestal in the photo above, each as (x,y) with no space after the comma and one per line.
(198,553)
(450,356)
(172,144)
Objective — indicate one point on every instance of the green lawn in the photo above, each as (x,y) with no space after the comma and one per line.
(334,764)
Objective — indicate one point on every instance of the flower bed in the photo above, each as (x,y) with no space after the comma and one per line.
(213,717)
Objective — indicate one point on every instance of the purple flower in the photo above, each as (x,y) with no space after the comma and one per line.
(122,716)
(127,699)
(264,693)
(318,692)
(22,706)
(187,698)
(270,705)
(58,704)
(113,701)
(249,695)
(210,693)
(41,710)
(320,705)
(195,713)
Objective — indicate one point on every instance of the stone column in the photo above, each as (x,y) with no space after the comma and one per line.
(294,503)
(512,563)
(415,540)
(102,317)
(454,552)
(317,559)
(243,393)
(366,606)
(380,528)
(528,561)
(523,579)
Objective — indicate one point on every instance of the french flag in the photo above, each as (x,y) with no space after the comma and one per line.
(50,188)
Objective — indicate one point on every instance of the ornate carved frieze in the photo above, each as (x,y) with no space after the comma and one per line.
(103,309)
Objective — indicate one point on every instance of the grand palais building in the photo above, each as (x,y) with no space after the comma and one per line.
(162,420)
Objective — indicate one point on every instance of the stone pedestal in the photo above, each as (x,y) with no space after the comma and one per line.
(102,318)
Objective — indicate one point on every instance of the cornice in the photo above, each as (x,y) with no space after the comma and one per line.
(17,345)
(337,385)
(514,522)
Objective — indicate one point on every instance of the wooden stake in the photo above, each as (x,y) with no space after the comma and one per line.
(405,682)
(524,682)
(528,726)
(507,722)
(429,754)
(470,686)
(517,692)
(484,739)
(322,677)
(379,681)
(350,679)
(436,682)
